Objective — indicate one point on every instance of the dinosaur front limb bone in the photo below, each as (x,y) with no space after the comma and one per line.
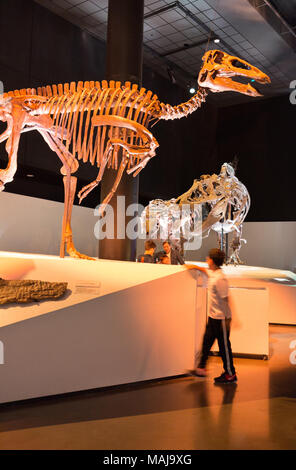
(114,187)
(139,151)
(89,187)
(5,135)
(144,152)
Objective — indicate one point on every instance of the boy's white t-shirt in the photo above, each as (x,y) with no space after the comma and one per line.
(218,291)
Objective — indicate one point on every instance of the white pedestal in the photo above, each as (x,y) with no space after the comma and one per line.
(120,322)
(249,326)
(140,326)
(280,284)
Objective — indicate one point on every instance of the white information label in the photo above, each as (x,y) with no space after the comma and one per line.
(88,287)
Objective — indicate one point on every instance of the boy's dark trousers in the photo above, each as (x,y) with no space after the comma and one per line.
(220,330)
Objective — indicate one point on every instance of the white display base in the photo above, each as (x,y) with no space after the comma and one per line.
(249,335)
(249,326)
(120,322)
(281,286)
(139,326)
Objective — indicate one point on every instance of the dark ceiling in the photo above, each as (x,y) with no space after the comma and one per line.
(287,9)
(177,33)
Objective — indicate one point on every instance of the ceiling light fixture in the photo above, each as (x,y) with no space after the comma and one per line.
(192,90)
(171,75)
(217,40)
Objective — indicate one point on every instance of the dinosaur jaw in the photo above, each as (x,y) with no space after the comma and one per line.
(219,68)
(227,84)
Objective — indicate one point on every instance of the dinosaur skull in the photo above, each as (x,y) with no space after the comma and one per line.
(219,67)
(227,170)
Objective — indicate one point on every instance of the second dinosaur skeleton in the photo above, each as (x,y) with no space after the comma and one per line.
(106,124)
(226,197)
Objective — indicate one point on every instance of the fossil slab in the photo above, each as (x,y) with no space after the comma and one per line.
(24,291)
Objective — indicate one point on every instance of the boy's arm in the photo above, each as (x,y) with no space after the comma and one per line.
(199,268)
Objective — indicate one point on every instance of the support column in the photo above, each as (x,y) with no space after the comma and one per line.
(124,63)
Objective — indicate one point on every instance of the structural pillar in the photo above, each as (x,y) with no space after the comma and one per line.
(124,63)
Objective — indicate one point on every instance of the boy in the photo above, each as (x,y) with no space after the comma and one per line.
(219,319)
(148,256)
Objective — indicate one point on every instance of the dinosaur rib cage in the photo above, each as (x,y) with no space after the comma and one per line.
(72,108)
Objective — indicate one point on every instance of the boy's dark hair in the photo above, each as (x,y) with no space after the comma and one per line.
(218,256)
(149,244)
(167,241)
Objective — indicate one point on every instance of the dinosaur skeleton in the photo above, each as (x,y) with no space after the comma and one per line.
(106,124)
(226,199)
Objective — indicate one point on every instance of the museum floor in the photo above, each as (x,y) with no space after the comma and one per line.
(182,413)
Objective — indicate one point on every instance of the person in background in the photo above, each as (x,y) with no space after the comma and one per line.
(163,259)
(172,254)
(219,319)
(148,256)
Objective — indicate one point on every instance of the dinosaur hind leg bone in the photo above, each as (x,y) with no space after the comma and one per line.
(69,166)
(67,237)
(12,137)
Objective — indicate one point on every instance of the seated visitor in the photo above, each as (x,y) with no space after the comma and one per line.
(148,256)
(163,259)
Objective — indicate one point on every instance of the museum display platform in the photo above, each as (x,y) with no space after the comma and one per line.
(120,322)
(281,285)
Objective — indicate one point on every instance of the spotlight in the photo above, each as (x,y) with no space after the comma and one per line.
(192,90)
(30,176)
(217,40)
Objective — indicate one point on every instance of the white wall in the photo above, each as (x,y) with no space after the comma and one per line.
(32,225)
(269,244)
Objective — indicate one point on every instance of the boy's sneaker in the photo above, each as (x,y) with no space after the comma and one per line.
(198,372)
(225,379)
